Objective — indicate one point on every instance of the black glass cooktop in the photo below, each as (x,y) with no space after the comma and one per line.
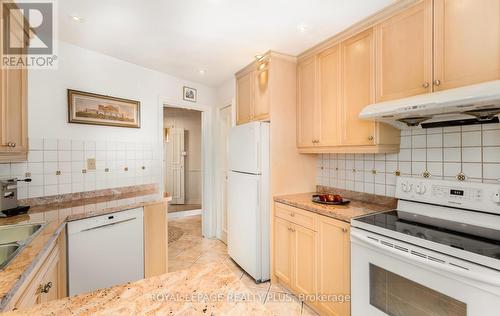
(469,238)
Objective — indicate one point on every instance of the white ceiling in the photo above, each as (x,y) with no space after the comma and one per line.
(180,37)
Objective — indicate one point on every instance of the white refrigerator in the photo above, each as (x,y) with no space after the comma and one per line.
(248,199)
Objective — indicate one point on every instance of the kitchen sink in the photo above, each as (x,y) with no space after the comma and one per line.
(13,238)
(18,233)
(7,253)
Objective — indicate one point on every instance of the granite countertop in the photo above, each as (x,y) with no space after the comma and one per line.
(55,216)
(358,207)
(211,289)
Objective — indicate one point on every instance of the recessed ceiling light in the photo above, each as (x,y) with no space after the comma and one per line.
(76,18)
(201,72)
(302,28)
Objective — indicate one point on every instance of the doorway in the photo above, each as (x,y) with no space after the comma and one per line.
(183,160)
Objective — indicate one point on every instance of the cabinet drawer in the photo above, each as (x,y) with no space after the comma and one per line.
(296,216)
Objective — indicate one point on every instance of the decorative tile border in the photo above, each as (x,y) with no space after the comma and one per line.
(443,153)
(70,197)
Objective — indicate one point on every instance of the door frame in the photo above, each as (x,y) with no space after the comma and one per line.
(218,166)
(208,191)
(219,181)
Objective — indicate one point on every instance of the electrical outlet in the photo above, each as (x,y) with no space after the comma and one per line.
(91,164)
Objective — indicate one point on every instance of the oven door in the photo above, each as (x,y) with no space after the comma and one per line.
(390,277)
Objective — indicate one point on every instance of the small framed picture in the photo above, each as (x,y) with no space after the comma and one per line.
(189,94)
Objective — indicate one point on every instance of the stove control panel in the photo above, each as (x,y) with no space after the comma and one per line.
(468,195)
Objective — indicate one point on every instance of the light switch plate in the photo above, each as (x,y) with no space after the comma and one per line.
(91,164)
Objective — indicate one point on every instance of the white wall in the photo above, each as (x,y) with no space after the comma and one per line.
(86,70)
(57,145)
(226,92)
(190,121)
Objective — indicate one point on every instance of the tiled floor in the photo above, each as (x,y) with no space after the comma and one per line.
(192,249)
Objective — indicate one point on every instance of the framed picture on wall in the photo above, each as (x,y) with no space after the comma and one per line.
(97,109)
(189,94)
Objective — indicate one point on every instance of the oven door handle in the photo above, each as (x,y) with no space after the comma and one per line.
(358,237)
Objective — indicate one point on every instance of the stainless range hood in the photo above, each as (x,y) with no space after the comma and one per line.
(475,104)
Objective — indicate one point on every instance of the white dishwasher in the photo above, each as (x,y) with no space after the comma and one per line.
(105,250)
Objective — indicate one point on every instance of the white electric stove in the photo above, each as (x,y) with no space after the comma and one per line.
(437,254)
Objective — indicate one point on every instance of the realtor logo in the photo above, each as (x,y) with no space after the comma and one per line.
(28,35)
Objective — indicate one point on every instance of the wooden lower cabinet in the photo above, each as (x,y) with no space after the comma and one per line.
(155,239)
(304,263)
(47,283)
(334,265)
(283,251)
(314,261)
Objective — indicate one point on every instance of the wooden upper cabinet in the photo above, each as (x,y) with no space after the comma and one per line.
(244,98)
(358,80)
(13,103)
(466,41)
(404,53)
(261,90)
(306,102)
(328,110)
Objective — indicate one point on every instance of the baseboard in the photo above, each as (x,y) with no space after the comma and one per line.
(184,214)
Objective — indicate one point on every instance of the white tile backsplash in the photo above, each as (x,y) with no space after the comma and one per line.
(443,152)
(57,166)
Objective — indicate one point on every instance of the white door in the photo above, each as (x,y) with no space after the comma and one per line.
(175,165)
(226,118)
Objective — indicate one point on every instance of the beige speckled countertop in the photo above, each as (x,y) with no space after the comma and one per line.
(210,289)
(356,208)
(55,216)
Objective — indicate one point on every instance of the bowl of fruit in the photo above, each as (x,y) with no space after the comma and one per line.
(329,199)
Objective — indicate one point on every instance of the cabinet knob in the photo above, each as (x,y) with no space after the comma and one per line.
(293,230)
(292,214)
(45,288)
(11,144)
(370,138)
(344,230)
(437,82)
(425,85)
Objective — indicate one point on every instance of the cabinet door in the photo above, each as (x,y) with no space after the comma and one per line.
(306,101)
(329,63)
(283,250)
(50,281)
(404,53)
(261,102)
(358,88)
(333,275)
(245,95)
(13,114)
(467,42)
(38,289)
(304,266)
